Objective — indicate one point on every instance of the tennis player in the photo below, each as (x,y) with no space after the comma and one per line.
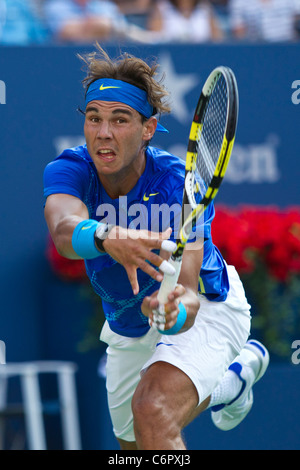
(109,203)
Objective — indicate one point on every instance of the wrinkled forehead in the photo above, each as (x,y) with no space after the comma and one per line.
(114,107)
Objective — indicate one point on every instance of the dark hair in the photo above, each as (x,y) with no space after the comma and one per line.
(176,3)
(129,69)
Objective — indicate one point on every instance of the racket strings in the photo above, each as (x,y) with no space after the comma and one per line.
(210,140)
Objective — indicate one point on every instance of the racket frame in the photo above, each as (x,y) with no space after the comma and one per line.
(196,210)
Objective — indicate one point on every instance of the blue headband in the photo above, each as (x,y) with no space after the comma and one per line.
(108,89)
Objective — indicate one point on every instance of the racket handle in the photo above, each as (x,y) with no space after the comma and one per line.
(169,282)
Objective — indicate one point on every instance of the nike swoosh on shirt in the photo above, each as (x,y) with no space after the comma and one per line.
(146,198)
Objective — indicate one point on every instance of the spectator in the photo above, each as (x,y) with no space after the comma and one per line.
(83,20)
(133,6)
(2,15)
(136,11)
(20,24)
(185,20)
(264,20)
(221,11)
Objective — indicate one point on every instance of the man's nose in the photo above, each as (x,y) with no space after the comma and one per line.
(104,130)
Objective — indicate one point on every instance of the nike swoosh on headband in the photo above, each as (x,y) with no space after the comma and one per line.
(102,87)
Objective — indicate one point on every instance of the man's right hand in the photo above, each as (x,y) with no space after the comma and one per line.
(133,249)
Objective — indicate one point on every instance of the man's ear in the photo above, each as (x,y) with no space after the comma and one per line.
(149,128)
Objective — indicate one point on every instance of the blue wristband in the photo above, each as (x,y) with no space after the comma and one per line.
(180,322)
(83,240)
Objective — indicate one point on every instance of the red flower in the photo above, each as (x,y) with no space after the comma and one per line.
(66,269)
(230,234)
(249,234)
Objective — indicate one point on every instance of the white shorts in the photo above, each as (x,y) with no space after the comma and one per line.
(203,353)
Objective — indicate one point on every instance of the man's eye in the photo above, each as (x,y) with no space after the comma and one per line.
(94,119)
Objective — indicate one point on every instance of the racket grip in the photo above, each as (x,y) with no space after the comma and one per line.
(169,282)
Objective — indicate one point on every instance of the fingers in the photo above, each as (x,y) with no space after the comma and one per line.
(163,317)
(178,292)
(148,269)
(160,263)
(140,254)
(167,268)
(163,320)
(152,238)
(168,245)
(132,276)
(166,234)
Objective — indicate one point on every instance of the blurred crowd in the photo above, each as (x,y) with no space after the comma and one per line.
(24,22)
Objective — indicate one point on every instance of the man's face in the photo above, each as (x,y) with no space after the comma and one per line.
(115,136)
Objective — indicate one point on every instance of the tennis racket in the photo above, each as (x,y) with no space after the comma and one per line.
(209,149)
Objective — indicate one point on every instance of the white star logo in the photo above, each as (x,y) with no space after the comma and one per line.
(178,85)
